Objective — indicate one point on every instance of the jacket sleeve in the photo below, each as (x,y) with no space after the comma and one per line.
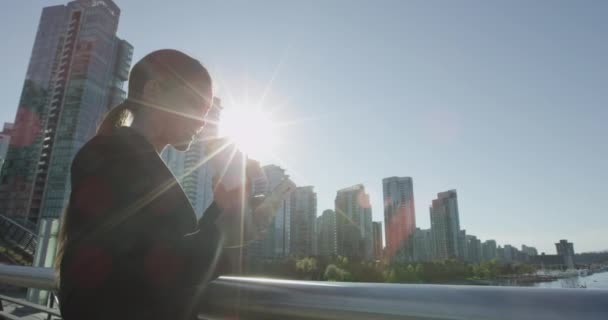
(195,249)
(151,227)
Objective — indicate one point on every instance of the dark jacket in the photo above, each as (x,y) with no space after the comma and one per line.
(135,249)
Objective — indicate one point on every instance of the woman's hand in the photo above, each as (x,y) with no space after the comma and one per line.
(244,218)
(264,212)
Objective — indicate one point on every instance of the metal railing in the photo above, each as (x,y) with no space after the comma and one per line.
(18,235)
(256,298)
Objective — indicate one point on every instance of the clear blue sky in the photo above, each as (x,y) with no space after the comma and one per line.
(505,101)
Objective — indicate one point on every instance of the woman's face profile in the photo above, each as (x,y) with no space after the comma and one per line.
(186,118)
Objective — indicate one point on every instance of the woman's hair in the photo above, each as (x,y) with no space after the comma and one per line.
(120,116)
(171,69)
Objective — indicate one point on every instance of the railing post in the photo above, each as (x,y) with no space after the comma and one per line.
(1,309)
(50,304)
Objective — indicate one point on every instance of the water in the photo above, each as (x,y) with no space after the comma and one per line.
(594,281)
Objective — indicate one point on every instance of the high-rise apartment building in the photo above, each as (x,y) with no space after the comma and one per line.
(377,236)
(509,253)
(327,242)
(473,249)
(353,217)
(368,233)
(500,253)
(462,245)
(565,249)
(277,240)
(303,221)
(488,249)
(75,75)
(422,243)
(530,251)
(399,216)
(445,225)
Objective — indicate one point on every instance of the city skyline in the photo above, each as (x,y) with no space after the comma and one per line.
(467,108)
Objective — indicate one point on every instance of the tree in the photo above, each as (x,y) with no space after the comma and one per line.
(334,273)
(307,268)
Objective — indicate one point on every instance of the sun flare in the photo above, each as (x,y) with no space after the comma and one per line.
(253,131)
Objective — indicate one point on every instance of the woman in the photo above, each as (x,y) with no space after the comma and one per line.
(130,245)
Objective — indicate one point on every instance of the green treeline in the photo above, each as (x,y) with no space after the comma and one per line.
(343,269)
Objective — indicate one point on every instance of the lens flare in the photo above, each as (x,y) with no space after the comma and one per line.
(253,131)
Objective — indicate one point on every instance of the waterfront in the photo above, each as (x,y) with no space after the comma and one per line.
(594,281)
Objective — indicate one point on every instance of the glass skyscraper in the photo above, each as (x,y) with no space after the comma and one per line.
(445,226)
(399,216)
(75,75)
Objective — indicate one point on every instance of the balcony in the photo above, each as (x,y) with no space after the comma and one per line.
(256,298)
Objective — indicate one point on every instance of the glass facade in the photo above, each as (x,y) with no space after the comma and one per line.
(276,241)
(354,223)
(303,216)
(75,75)
(327,234)
(445,226)
(399,216)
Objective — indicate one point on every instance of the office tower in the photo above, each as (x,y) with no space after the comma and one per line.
(191,168)
(445,225)
(327,234)
(277,240)
(473,252)
(75,75)
(489,250)
(5,140)
(377,236)
(422,243)
(303,220)
(399,216)
(353,218)
(565,249)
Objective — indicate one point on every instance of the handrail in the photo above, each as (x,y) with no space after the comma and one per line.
(37,307)
(27,277)
(18,234)
(257,298)
(18,225)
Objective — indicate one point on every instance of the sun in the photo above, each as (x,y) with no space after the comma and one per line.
(252,130)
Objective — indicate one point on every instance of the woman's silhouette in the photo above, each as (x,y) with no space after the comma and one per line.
(130,245)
